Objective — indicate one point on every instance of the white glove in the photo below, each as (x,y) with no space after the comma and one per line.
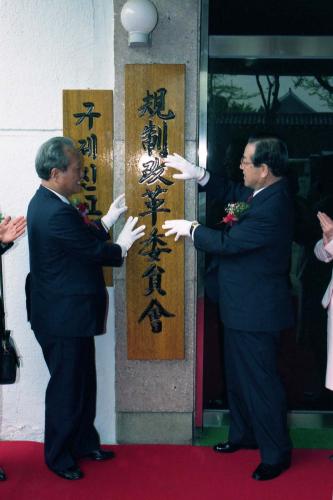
(179,227)
(128,235)
(116,209)
(188,170)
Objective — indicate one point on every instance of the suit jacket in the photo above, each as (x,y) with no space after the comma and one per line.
(66,288)
(252,257)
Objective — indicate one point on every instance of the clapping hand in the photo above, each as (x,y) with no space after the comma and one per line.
(11,229)
(326,224)
(188,170)
(116,209)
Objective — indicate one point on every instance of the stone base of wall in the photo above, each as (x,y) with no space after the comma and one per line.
(154,428)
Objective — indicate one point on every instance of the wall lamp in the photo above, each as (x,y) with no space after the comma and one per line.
(139,18)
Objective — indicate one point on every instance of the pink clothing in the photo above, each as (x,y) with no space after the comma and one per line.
(325,254)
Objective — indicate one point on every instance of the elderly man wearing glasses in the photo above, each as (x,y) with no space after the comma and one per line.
(250,265)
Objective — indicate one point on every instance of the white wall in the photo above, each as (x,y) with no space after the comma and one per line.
(46,46)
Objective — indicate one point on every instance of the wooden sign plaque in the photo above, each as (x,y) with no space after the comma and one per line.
(88,120)
(154,127)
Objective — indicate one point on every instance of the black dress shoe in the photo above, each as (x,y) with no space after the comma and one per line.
(71,473)
(265,472)
(228,447)
(3,476)
(101,455)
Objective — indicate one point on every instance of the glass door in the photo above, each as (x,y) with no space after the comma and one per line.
(292,98)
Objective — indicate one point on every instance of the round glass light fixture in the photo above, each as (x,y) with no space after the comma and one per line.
(139,18)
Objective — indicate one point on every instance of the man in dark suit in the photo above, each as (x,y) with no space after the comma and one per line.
(251,258)
(10,230)
(67,301)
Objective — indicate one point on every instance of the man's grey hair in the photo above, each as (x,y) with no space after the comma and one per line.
(52,154)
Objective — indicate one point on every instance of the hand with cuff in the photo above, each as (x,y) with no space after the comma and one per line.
(128,235)
(179,227)
(188,170)
(117,208)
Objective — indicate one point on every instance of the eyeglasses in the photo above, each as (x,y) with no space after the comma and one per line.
(244,162)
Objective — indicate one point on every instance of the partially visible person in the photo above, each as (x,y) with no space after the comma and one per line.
(67,299)
(10,230)
(324,252)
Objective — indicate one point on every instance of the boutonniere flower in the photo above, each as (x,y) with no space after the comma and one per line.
(82,208)
(234,211)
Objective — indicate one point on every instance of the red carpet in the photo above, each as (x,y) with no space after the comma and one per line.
(149,472)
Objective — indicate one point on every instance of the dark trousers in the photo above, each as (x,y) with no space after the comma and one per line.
(70,401)
(258,411)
